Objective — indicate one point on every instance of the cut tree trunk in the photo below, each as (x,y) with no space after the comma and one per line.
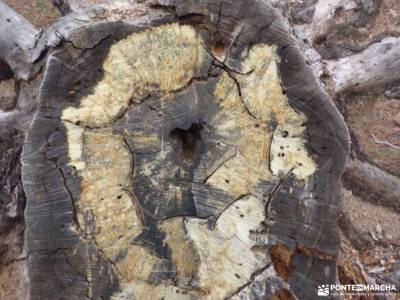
(186,153)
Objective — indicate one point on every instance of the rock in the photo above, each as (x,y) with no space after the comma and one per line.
(395,103)
(393,93)
(388,236)
(378,229)
(392,261)
(397,119)
(373,235)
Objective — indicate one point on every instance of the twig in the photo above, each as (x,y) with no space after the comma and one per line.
(384,142)
(367,278)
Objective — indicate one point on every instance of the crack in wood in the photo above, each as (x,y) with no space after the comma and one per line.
(139,207)
(252,279)
(275,190)
(219,166)
(216,218)
(79,229)
(85,277)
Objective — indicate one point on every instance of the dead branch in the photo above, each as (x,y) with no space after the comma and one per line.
(386,143)
(18,39)
(384,186)
(376,66)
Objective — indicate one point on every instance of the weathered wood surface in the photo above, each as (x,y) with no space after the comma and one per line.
(381,186)
(186,153)
(378,65)
(18,42)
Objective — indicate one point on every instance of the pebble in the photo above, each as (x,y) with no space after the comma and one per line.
(393,92)
(388,236)
(395,103)
(373,235)
(378,228)
(397,119)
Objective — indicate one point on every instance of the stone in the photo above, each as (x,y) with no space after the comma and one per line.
(397,119)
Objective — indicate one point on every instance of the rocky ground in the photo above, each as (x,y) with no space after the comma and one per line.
(329,32)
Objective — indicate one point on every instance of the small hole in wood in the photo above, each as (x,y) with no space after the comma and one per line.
(219,48)
(189,139)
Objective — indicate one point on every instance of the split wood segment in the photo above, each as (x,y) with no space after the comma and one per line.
(191,157)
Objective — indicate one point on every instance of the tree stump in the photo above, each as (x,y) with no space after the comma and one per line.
(190,154)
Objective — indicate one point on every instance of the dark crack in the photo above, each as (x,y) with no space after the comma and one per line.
(275,190)
(219,19)
(252,279)
(128,147)
(85,277)
(233,202)
(275,127)
(79,230)
(64,39)
(139,207)
(218,167)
